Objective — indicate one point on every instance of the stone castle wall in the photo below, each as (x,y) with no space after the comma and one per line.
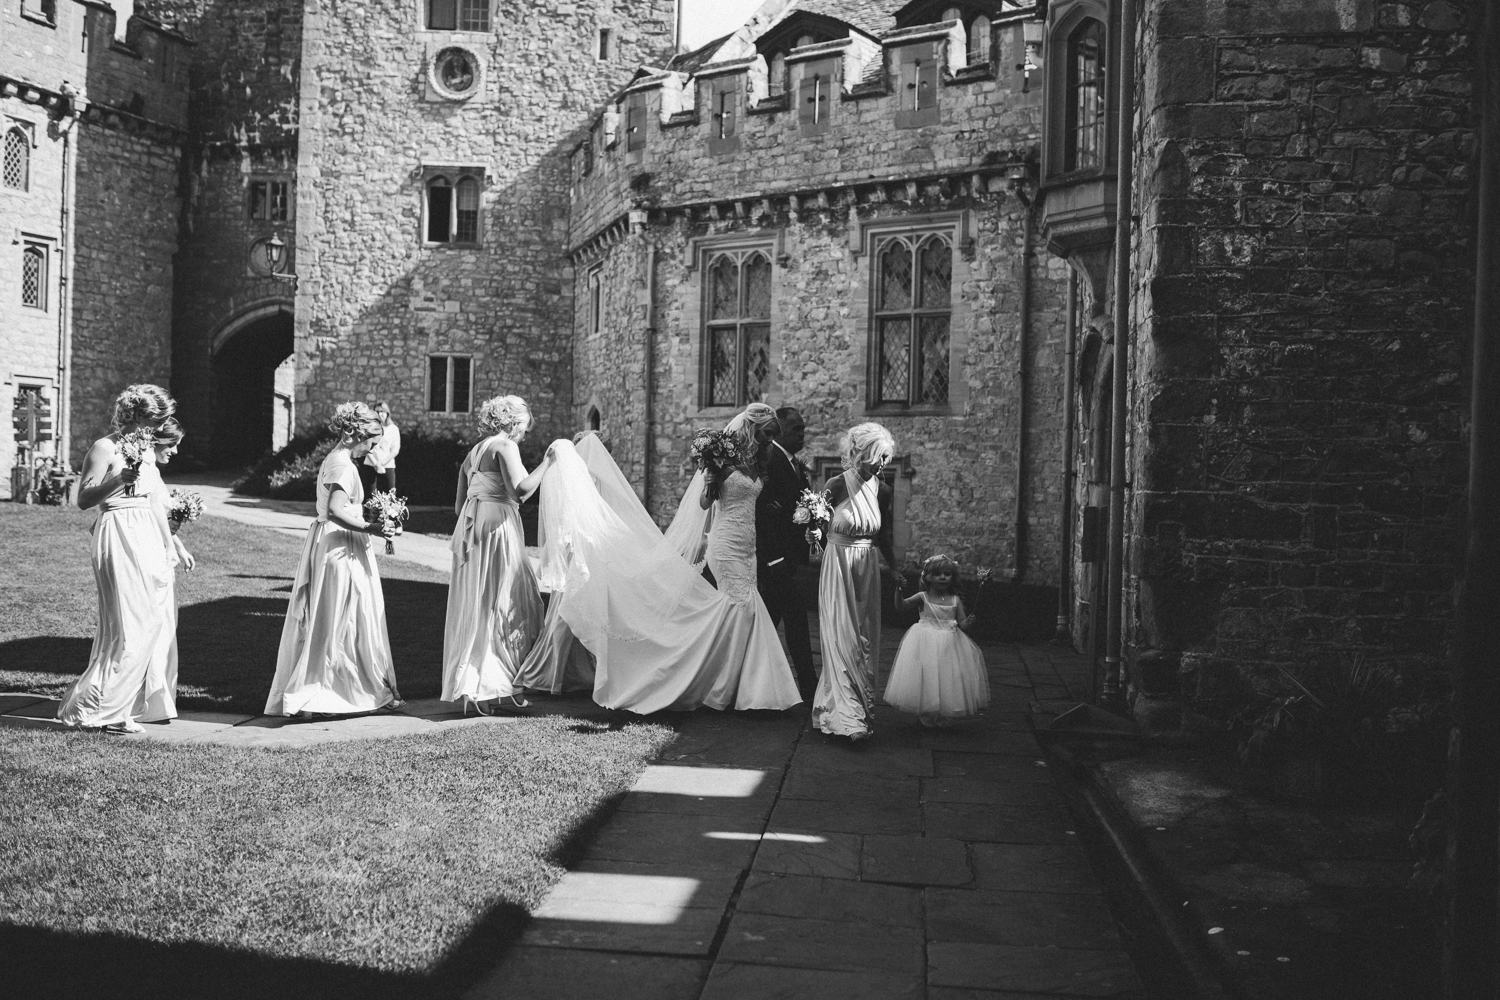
(812,200)
(126,218)
(374,302)
(1304,282)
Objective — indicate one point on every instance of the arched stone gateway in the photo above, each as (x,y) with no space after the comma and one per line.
(252,368)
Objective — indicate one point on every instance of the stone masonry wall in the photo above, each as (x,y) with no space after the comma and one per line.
(960,496)
(374,301)
(126,218)
(1304,279)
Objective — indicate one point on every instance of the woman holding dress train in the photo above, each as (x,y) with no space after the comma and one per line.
(494,604)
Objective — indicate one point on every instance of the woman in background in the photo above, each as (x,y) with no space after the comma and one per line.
(135,645)
(335,655)
(494,604)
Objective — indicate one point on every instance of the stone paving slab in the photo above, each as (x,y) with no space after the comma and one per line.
(804,781)
(900,814)
(1037,970)
(993,790)
(563,974)
(1036,919)
(831,899)
(666,909)
(776,939)
(1033,868)
(671,838)
(733,981)
(12,702)
(45,708)
(1034,824)
(800,852)
(915,861)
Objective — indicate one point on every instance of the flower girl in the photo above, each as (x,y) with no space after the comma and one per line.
(939,672)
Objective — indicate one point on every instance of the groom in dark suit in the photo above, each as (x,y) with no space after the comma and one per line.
(780,544)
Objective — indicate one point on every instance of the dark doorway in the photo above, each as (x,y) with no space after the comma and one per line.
(245,393)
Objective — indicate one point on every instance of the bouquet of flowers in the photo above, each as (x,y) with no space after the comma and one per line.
(715,451)
(134,447)
(182,508)
(387,508)
(814,509)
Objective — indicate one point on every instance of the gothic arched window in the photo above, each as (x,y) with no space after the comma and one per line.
(913,312)
(979,40)
(17,159)
(737,328)
(1083,125)
(451,208)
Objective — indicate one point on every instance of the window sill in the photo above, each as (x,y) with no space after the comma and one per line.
(900,410)
(41,19)
(449,413)
(451,246)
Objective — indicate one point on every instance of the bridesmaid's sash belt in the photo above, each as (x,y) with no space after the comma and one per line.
(462,536)
(849,541)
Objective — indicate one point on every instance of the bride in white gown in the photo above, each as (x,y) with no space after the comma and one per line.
(661,636)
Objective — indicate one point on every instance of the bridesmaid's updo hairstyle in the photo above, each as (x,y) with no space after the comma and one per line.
(868,442)
(142,405)
(356,421)
(508,415)
(170,432)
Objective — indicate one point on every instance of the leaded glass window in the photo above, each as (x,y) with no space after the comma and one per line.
(473,15)
(452,209)
(1083,130)
(17,159)
(737,339)
(913,311)
(34,277)
(467,228)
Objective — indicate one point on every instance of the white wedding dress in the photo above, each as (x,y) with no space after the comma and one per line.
(661,636)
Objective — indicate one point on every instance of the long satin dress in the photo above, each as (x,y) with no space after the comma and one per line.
(132,671)
(849,613)
(335,654)
(494,605)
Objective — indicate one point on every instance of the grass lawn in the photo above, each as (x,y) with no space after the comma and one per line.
(231,609)
(362,869)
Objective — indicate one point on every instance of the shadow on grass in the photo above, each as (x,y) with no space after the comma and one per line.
(66,966)
(226,647)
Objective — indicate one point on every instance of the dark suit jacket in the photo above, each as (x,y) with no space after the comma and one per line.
(777,536)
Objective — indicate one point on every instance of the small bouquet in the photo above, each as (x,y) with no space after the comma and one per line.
(814,509)
(182,508)
(715,451)
(387,508)
(134,447)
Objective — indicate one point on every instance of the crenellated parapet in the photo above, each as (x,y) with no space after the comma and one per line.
(835,120)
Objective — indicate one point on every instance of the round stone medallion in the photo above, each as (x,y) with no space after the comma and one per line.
(456,73)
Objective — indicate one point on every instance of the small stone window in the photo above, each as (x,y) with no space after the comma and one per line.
(605,50)
(451,215)
(981,44)
(917,85)
(269,200)
(34,276)
(17,171)
(635,124)
(815,94)
(1084,111)
(596,300)
(450,383)
(40,10)
(458,15)
(723,122)
(737,328)
(913,313)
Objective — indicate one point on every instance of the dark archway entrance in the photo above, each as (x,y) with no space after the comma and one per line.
(250,409)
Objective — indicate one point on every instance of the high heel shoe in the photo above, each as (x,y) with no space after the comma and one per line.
(478,706)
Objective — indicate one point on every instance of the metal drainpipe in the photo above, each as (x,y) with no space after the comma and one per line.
(1024,338)
(1125,207)
(1070,470)
(61,424)
(650,373)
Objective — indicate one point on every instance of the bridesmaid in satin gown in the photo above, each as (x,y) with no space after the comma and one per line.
(849,585)
(135,646)
(494,603)
(335,655)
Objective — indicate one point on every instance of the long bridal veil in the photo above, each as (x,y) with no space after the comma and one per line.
(661,636)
